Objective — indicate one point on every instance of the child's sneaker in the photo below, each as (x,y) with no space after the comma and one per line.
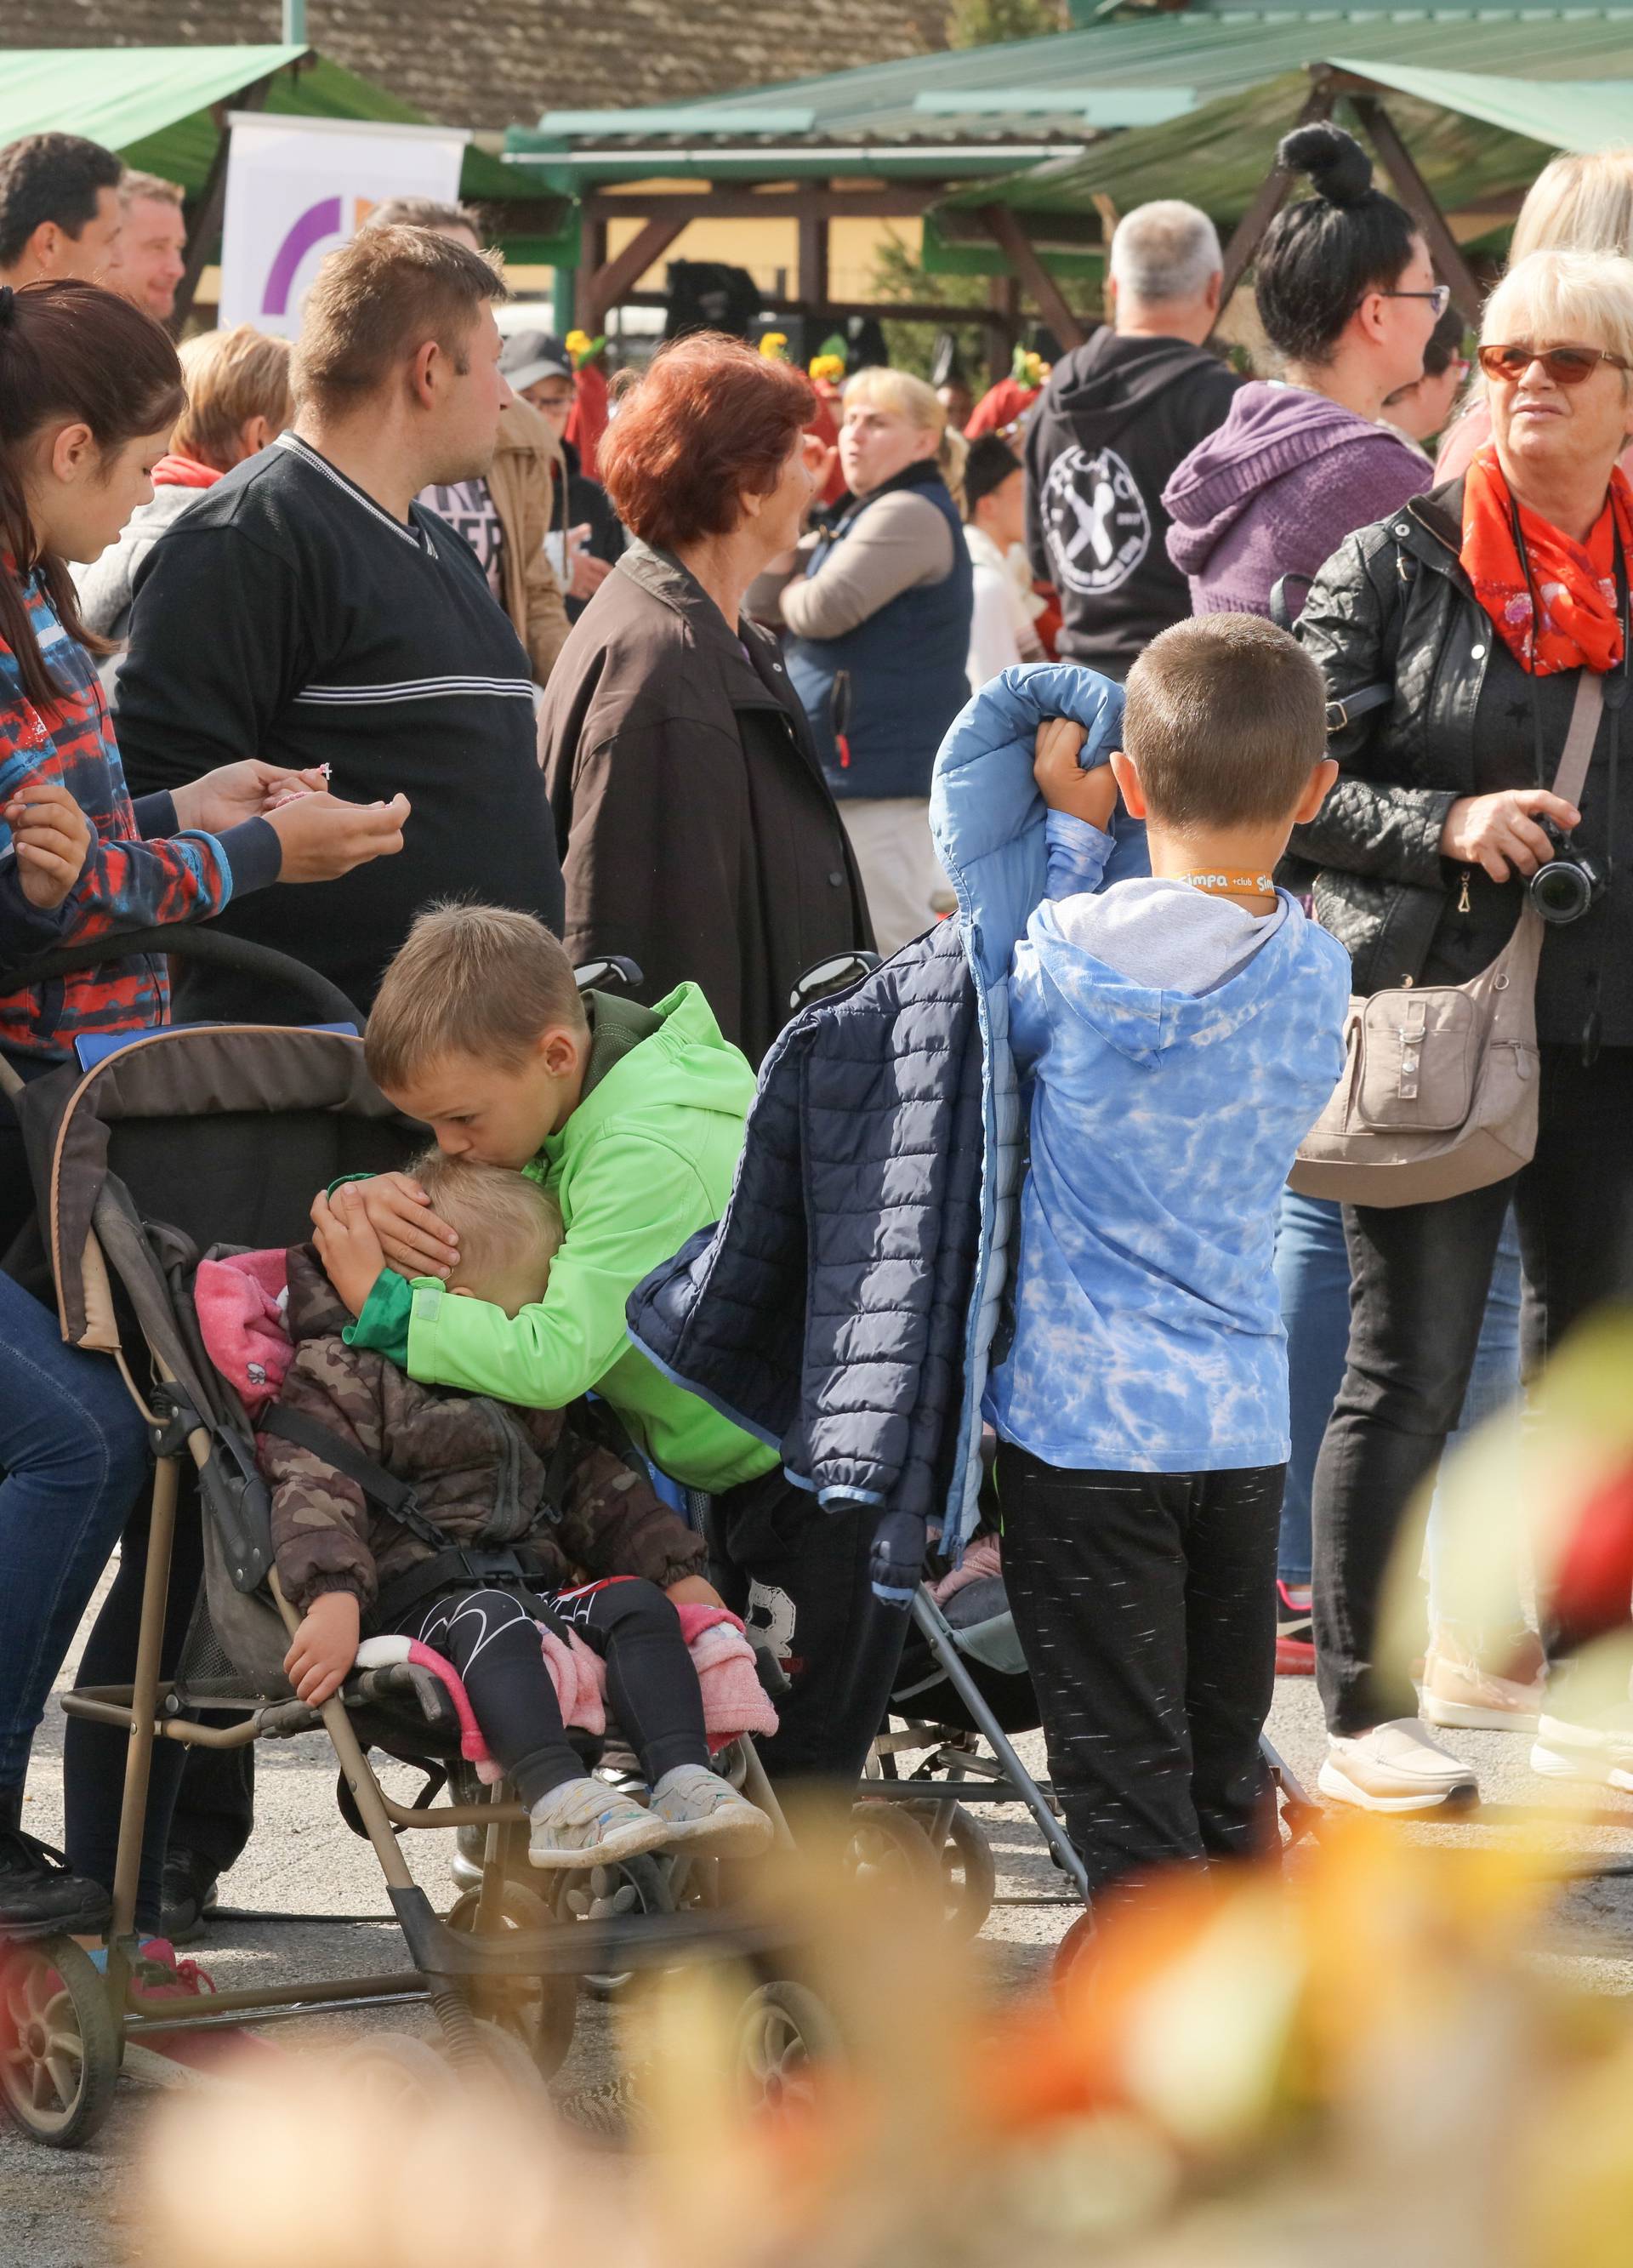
(584,1823)
(700,1807)
(1295,1639)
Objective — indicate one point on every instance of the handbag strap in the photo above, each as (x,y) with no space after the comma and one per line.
(1578,752)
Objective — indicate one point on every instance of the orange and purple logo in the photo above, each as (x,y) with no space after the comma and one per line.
(326,218)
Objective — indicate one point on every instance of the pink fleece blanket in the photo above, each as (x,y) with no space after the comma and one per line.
(734,1700)
(240,1303)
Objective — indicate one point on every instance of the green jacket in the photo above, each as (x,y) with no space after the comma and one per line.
(648,1156)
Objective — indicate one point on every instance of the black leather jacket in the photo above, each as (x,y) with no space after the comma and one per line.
(1393,605)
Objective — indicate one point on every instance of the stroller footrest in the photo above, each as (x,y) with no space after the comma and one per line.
(577,1949)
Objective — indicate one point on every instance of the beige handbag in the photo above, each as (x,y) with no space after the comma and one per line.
(1439,1088)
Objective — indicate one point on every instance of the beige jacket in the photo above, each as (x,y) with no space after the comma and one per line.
(521,484)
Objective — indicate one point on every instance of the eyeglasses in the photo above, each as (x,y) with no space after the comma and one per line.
(1439,298)
(1565,365)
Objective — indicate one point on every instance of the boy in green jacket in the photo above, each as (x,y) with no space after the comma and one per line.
(632,1118)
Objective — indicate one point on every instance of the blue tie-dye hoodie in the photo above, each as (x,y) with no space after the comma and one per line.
(1147,1334)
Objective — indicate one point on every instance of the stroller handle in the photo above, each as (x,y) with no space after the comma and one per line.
(186,942)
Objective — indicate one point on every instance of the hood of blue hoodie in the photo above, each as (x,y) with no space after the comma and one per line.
(1270,430)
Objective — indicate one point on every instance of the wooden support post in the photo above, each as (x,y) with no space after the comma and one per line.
(1002,325)
(212,203)
(605,286)
(1005,229)
(591,260)
(1416,195)
(1248,234)
(811,282)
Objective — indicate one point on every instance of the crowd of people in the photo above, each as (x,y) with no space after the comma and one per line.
(307,643)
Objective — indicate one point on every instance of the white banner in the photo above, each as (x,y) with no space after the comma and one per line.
(296,188)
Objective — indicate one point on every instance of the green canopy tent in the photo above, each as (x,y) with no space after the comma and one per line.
(165,110)
(1460,147)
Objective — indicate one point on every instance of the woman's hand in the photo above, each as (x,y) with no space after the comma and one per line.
(325,1646)
(234,792)
(347,1246)
(1499,832)
(323,838)
(1063,783)
(52,838)
(414,1241)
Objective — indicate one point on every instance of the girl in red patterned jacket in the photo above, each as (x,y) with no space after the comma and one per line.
(90,387)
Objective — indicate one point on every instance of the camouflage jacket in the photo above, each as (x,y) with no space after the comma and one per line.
(478,1469)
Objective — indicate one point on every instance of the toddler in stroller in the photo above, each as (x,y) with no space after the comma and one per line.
(499,1543)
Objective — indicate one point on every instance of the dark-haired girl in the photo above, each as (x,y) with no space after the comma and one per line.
(90,389)
(1349,301)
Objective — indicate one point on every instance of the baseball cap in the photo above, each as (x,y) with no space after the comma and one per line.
(528,356)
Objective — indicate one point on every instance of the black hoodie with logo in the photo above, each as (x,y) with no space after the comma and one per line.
(1118,416)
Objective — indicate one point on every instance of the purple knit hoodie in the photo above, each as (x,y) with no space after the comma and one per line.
(1275,490)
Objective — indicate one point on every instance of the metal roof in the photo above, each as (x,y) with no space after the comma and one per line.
(1121,73)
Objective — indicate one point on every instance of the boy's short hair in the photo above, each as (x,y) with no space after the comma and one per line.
(469,980)
(501,1217)
(1225,716)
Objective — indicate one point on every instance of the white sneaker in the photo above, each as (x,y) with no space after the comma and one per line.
(1600,1753)
(1395,1767)
(1456,1692)
(584,1823)
(702,1808)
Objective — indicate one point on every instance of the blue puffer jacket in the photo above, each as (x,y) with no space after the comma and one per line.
(844,1307)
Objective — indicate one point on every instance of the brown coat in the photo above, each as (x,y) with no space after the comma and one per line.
(478,1469)
(521,482)
(697,832)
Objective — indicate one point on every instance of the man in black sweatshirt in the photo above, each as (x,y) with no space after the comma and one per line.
(308,610)
(1118,416)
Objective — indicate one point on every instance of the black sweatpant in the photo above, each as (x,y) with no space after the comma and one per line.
(1145,1604)
(798,1577)
(1419,1277)
(492,1639)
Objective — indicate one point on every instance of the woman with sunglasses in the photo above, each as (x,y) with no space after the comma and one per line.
(1480,607)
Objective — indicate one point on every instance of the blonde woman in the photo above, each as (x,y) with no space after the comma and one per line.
(237,401)
(1576,204)
(881,623)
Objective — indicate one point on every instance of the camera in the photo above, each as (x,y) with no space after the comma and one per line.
(1564,889)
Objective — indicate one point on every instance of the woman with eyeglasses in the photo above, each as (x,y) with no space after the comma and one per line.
(1474,613)
(1349,301)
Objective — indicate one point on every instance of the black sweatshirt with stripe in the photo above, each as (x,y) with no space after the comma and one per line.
(287,615)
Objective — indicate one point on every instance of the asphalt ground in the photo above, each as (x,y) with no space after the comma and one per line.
(60,2209)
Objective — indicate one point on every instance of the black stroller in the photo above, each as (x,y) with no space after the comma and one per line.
(216,1136)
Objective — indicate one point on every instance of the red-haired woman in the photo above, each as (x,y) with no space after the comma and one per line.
(697,832)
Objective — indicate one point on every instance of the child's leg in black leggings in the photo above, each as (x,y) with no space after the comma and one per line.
(652,1687)
(492,1639)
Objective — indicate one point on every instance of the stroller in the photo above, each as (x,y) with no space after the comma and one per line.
(963,1681)
(216,1135)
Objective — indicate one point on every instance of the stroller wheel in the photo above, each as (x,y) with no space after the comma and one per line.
(785,2034)
(60,2050)
(969,1873)
(638,1885)
(536,2012)
(512,2062)
(889,1845)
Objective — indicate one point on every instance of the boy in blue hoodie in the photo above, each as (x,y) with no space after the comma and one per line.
(1181,1033)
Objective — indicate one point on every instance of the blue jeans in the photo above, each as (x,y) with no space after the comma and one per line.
(74,1454)
(1312,1274)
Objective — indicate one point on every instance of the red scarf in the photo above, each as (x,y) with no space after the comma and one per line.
(1575,583)
(184,472)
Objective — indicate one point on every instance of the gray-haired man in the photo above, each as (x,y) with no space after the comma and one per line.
(1116,418)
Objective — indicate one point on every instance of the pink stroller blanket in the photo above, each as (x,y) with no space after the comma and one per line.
(240,1303)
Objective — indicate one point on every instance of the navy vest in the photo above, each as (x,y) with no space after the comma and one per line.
(905,665)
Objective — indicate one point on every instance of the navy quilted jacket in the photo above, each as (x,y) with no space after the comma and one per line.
(826,1311)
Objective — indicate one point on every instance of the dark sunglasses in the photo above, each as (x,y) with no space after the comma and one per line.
(1565,365)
